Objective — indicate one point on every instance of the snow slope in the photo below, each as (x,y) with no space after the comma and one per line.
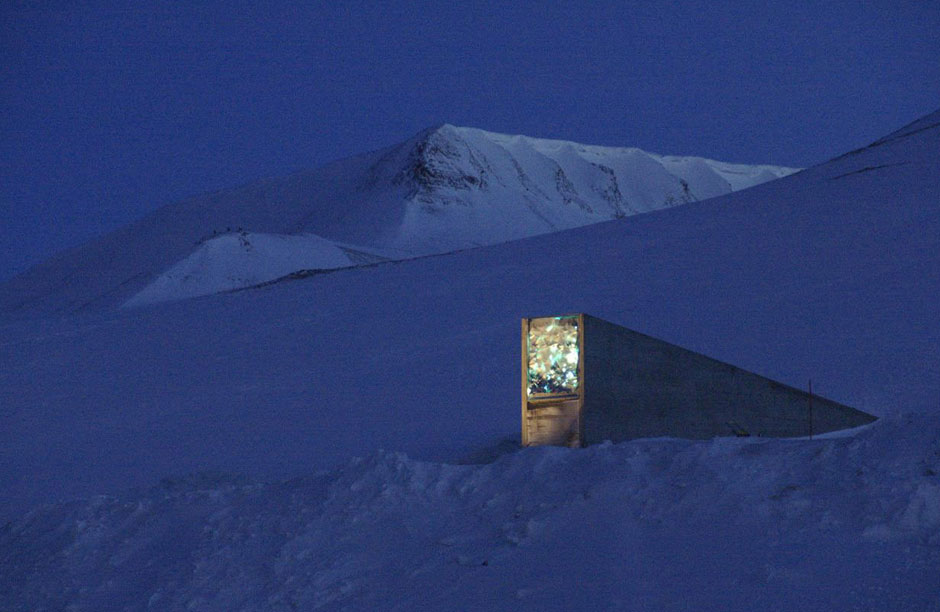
(831,274)
(447,188)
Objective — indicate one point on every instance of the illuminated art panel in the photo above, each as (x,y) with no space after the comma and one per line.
(552,349)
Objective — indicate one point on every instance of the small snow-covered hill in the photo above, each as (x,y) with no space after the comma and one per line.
(235,261)
(447,188)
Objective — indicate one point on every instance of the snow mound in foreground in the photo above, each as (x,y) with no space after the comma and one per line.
(848,523)
(235,261)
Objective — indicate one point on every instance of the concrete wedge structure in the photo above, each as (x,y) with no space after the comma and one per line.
(585,380)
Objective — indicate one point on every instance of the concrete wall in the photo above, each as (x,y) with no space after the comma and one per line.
(636,386)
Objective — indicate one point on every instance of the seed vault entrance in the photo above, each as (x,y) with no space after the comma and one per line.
(552,367)
(585,380)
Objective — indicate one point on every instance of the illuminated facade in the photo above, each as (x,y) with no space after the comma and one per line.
(553,351)
(585,380)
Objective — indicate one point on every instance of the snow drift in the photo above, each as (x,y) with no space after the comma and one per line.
(834,524)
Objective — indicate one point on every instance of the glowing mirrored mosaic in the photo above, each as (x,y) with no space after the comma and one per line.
(553,355)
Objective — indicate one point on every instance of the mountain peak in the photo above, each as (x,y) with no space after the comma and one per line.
(434,162)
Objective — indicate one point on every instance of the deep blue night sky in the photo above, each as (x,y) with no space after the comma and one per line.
(109,112)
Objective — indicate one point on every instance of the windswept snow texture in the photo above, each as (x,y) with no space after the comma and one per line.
(831,274)
(660,525)
(446,189)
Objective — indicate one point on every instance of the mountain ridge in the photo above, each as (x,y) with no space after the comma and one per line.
(444,189)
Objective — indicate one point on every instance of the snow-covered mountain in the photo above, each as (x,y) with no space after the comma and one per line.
(467,187)
(447,188)
(831,274)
